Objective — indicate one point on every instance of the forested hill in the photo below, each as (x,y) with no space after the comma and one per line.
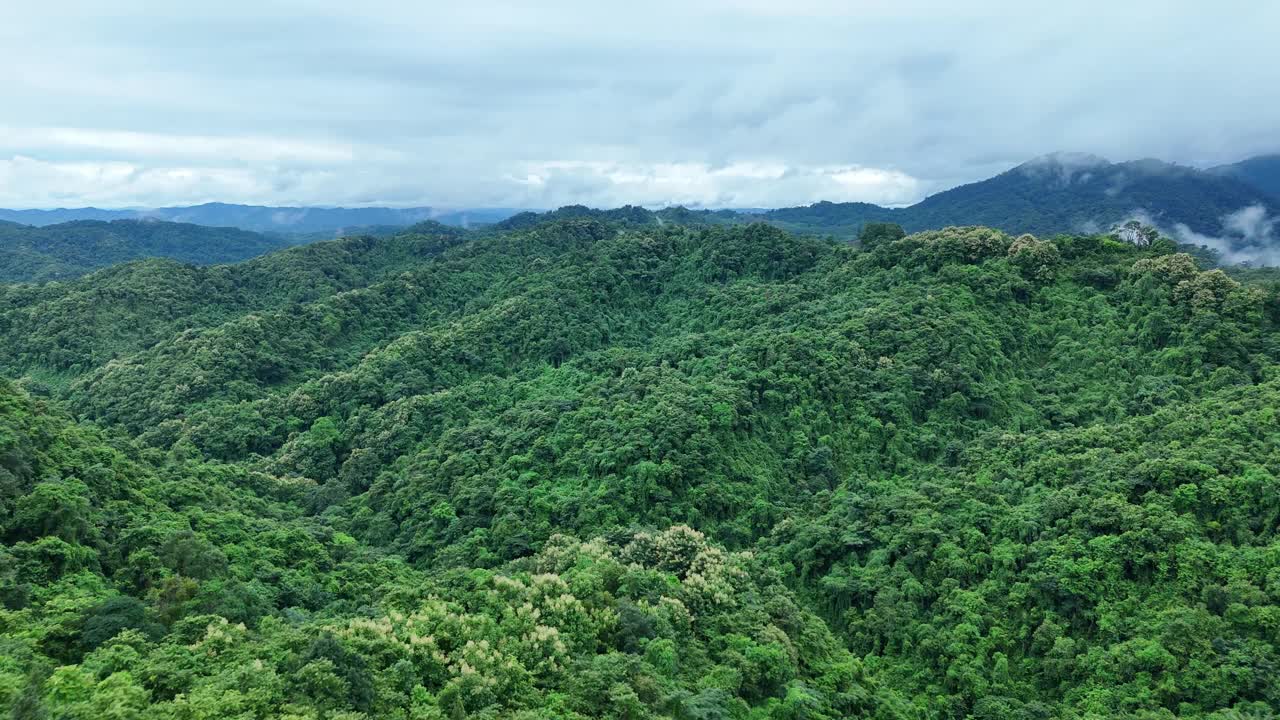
(67,250)
(1262,172)
(1062,193)
(583,469)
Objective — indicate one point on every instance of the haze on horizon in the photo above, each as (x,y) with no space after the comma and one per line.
(710,103)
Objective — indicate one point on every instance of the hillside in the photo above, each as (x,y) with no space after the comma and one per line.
(325,221)
(54,329)
(581,469)
(67,250)
(1261,172)
(1062,193)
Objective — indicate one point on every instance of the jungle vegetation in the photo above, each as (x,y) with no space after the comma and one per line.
(584,467)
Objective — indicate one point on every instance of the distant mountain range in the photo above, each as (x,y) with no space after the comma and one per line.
(258,218)
(1057,193)
(1232,208)
(1224,208)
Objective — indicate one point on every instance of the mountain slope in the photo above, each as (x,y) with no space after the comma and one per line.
(1261,172)
(956,474)
(86,322)
(70,249)
(1063,193)
(137,587)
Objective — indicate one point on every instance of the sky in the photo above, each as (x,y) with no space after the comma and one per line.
(705,103)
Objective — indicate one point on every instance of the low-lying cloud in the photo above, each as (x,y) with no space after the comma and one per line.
(738,185)
(1249,236)
(532,185)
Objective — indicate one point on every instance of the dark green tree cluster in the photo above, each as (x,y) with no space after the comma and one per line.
(71,249)
(586,467)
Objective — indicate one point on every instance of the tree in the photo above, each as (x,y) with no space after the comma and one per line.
(1133,231)
(874,234)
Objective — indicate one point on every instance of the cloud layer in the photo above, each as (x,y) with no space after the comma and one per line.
(748,103)
(1249,236)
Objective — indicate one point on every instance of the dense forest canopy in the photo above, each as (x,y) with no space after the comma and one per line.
(639,467)
(1261,172)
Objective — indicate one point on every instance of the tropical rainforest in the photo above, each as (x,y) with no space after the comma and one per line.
(587,467)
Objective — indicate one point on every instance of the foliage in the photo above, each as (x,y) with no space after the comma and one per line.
(577,468)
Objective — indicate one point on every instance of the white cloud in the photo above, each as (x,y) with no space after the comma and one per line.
(539,185)
(1251,223)
(745,184)
(1249,235)
(116,184)
(445,103)
(126,144)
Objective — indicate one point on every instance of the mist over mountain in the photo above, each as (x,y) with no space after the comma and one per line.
(1057,193)
(1226,209)
(1050,194)
(1060,193)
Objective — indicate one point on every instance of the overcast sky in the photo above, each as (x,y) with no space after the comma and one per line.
(539,104)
